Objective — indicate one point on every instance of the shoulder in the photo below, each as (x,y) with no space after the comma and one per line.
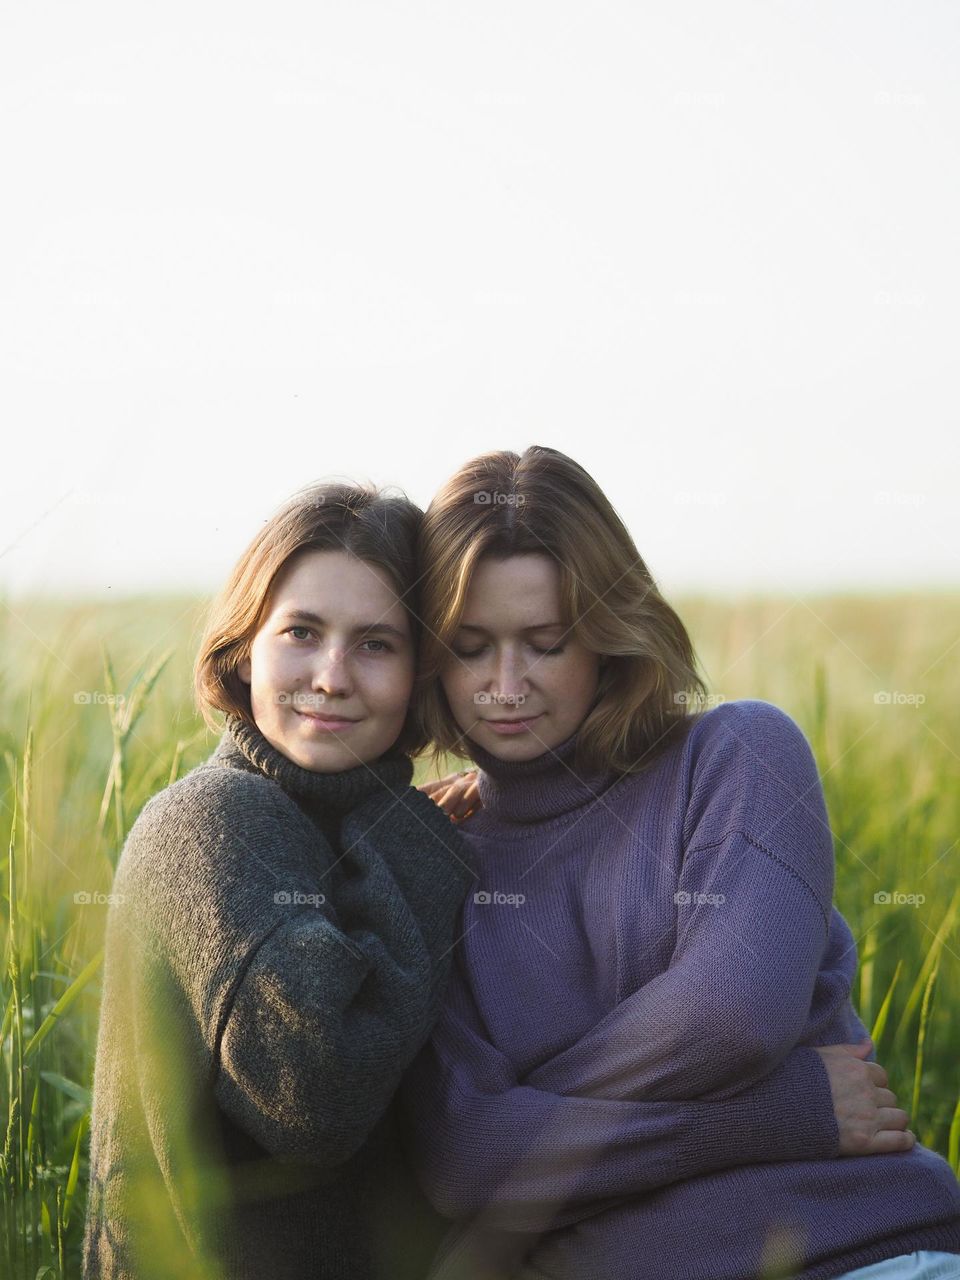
(749,767)
(212,816)
(745,726)
(212,792)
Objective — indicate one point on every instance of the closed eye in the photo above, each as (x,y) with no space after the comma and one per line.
(475,653)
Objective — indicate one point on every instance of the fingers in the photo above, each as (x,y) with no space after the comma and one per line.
(886,1098)
(892,1118)
(861,1050)
(891,1140)
(439,784)
(877,1074)
(457,795)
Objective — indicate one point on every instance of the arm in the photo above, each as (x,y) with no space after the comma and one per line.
(753,912)
(309,992)
(336,1003)
(530,1160)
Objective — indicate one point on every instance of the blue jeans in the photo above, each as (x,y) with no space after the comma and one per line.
(925,1265)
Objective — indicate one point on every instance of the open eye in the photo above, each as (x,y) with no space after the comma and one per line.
(384,647)
(292,630)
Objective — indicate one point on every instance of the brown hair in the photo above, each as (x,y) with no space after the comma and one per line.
(376,527)
(505,504)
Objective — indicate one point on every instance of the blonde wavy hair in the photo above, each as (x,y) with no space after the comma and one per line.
(542,502)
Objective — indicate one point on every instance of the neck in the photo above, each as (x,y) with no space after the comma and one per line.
(244,746)
(527,791)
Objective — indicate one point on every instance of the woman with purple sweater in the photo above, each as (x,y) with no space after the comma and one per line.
(637,1067)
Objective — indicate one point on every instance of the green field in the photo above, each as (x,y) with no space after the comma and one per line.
(96,715)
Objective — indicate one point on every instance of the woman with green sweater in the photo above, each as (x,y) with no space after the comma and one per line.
(280,932)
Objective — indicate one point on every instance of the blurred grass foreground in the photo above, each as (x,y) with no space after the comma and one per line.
(97,716)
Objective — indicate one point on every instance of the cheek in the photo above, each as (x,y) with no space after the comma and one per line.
(582,678)
(457,684)
(390,689)
(269,664)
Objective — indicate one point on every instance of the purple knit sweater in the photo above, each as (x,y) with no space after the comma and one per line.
(621,1083)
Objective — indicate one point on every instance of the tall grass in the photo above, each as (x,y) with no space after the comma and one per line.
(96,716)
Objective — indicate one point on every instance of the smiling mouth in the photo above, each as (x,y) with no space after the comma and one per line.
(314,715)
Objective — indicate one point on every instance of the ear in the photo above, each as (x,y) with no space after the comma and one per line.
(244,671)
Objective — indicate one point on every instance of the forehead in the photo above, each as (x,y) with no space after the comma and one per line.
(338,585)
(520,591)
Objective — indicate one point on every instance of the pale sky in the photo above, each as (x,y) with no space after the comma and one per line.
(709,250)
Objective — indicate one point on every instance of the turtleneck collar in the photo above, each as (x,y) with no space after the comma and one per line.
(244,746)
(536,790)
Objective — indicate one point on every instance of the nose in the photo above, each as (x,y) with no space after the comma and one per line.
(332,675)
(510,675)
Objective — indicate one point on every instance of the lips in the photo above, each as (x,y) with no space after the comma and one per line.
(313,715)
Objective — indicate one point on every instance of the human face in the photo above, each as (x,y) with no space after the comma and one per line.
(518,682)
(331,667)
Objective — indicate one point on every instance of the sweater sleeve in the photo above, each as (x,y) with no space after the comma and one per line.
(310,977)
(336,1003)
(529,1160)
(753,910)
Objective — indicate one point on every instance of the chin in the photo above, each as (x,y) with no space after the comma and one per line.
(522,747)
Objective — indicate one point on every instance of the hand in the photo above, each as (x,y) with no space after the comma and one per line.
(867,1116)
(457,794)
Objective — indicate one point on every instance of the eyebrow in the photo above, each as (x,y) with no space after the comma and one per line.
(364,628)
(537,626)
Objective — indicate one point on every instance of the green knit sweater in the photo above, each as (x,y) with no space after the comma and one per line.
(276,953)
